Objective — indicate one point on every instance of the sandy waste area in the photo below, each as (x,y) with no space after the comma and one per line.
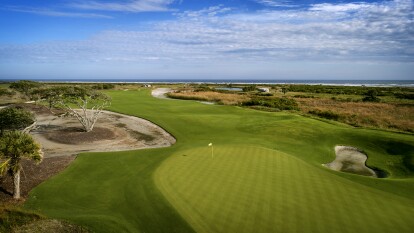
(62,136)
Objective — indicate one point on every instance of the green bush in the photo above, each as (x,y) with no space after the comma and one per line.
(249,88)
(278,103)
(305,96)
(15,119)
(198,98)
(371,96)
(103,86)
(325,114)
(347,90)
(409,96)
(7,92)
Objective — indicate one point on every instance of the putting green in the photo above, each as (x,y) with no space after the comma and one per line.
(252,189)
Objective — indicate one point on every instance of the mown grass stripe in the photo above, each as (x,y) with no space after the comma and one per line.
(303,199)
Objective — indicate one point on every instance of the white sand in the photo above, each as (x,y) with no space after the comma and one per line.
(350,159)
(160,93)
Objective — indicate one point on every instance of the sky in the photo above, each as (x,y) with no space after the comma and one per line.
(207,39)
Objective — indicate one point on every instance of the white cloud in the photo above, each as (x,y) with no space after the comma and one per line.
(57,13)
(276,3)
(339,7)
(207,12)
(129,6)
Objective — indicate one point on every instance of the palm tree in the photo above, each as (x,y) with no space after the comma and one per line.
(14,146)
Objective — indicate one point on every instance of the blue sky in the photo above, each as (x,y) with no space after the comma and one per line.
(202,39)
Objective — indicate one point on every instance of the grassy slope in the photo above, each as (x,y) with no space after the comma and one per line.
(115,191)
(110,192)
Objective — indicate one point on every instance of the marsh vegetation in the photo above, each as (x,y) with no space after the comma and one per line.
(390,108)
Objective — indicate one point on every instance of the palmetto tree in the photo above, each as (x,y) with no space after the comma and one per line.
(15,146)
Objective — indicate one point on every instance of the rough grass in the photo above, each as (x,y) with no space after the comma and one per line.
(115,192)
(223,98)
(378,115)
(50,225)
(11,218)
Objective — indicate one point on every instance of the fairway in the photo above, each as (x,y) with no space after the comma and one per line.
(266,176)
(252,189)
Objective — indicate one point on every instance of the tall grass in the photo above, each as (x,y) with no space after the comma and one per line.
(221,98)
(367,114)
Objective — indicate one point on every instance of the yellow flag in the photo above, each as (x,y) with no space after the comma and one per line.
(211,144)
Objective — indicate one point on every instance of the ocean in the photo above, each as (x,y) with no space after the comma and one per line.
(378,83)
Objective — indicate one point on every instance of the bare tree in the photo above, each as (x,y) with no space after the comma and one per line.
(85,104)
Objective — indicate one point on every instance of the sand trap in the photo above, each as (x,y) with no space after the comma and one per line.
(206,102)
(160,93)
(350,159)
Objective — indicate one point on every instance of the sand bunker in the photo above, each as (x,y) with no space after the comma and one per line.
(160,93)
(350,159)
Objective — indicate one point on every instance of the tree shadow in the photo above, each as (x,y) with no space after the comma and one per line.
(2,190)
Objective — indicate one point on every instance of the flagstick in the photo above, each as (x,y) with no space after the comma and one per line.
(212,152)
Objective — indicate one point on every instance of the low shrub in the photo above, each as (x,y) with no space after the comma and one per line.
(186,97)
(201,88)
(371,96)
(305,96)
(408,96)
(278,103)
(103,86)
(325,114)
(10,218)
(371,99)
(265,94)
(6,92)
(249,88)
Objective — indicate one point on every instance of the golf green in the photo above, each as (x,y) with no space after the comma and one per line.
(253,189)
(266,175)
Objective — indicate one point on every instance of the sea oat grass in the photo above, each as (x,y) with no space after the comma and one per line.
(378,115)
(223,98)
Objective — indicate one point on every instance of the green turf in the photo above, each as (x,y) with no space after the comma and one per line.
(253,189)
(115,192)
(109,192)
